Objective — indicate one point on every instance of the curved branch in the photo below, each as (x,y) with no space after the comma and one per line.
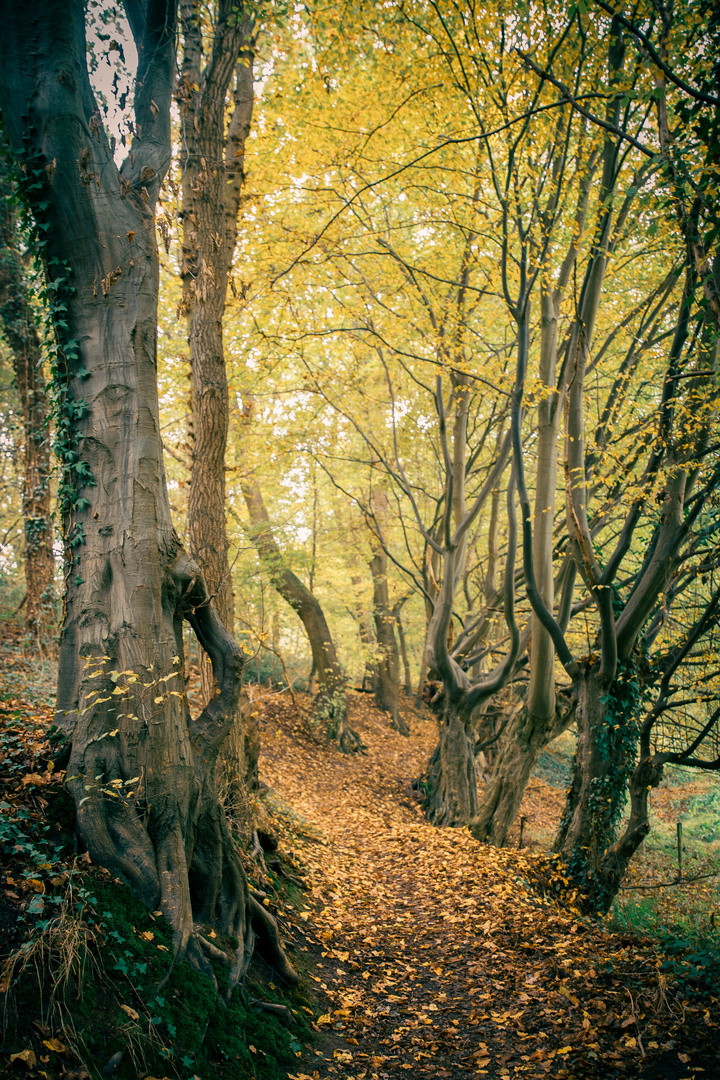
(536,601)
(502,673)
(705,99)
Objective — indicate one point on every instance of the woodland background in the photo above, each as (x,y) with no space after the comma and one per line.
(437,342)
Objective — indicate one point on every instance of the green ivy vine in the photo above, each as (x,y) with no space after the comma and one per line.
(54,288)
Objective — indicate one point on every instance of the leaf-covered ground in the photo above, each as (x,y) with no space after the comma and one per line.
(435,957)
(428,954)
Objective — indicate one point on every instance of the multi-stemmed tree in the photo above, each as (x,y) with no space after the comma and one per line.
(141,768)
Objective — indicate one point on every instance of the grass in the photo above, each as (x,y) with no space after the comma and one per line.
(683,917)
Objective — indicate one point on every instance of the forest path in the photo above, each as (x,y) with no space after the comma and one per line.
(434,957)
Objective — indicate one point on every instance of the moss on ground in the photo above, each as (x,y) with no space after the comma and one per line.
(126,995)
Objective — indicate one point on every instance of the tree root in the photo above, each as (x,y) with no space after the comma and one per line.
(213,952)
(400,724)
(269,940)
(258,853)
(348,740)
(282,1012)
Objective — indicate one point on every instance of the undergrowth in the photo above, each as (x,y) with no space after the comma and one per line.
(88,985)
(97,982)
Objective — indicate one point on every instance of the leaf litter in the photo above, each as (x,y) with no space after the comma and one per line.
(433,955)
(430,955)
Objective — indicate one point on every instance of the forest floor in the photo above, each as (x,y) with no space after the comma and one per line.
(426,954)
(433,956)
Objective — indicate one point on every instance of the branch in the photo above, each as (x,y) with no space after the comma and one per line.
(427,153)
(705,99)
(575,102)
(536,601)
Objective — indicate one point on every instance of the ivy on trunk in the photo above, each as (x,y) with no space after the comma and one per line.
(140,768)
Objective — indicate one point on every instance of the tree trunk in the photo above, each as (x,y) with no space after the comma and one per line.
(603,765)
(387,687)
(330,706)
(450,783)
(18,327)
(407,686)
(141,770)
(210,204)
(367,640)
(525,738)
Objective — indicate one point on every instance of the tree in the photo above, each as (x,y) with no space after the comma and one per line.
(660,553)
(387,656)
(212,160)
(140,768)
(330,704)
(19,328)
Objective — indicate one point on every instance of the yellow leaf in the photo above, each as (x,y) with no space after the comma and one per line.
(26,1056)
(130,1012)
(55,1044)
(564,1049)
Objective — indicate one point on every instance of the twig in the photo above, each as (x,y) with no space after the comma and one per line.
(670,884)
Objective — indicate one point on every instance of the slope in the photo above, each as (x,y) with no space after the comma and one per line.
(435,956)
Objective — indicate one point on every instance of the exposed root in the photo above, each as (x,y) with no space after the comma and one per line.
(348,740)
(281,1012)
(258,853)
(400,724)
(269,941)
(213,952)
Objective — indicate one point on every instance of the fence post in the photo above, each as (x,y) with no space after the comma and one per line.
(679,850)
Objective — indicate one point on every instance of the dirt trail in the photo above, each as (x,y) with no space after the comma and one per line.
(437,959)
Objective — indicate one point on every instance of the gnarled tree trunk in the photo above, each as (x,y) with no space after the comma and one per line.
(140,768)
(450,783)
(504,791)
(606,746)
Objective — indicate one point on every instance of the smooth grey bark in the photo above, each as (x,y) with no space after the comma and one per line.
(140,768)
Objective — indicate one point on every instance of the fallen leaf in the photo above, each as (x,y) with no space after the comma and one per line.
(33,778)
(56,1045)
(27,1057)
